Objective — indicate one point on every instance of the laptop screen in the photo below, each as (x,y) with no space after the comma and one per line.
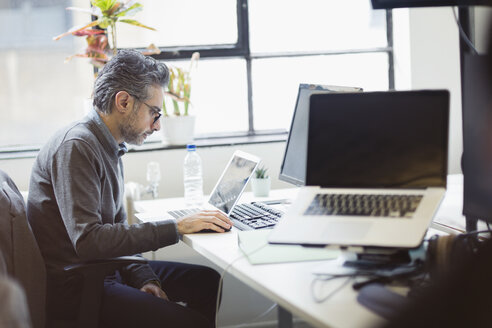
(233,181)
(395,139)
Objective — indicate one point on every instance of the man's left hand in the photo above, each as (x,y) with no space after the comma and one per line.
(153,289)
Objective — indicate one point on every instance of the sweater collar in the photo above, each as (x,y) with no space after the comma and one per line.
(108,139)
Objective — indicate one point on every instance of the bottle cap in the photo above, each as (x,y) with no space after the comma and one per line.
(190,147)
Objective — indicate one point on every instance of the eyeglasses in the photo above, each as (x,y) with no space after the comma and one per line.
(156,110)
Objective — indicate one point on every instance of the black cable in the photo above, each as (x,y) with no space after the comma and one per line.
(476,232)
(463,35)
(373,276)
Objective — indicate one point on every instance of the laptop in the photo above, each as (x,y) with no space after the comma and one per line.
(376,170)
(228,188)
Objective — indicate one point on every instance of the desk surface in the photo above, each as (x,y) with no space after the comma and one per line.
(289,284)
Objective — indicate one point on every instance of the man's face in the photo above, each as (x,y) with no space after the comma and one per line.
(140,122)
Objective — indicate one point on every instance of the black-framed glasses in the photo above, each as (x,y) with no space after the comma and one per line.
(156,110)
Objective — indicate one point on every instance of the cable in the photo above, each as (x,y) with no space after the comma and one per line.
(333,292)
(221,280)
(404,272)
(463,35)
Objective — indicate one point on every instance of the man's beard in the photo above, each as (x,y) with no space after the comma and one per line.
(128,130)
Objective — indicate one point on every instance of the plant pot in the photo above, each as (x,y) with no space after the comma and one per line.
(261,187)
(178,130)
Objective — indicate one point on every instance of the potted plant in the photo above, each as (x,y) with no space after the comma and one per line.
(108,12)
(260,183)
(178,125)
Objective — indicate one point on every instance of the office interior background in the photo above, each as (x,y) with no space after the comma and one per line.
(290,42)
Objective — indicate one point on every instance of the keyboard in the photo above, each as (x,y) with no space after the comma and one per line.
(247,216)
(252,216)
(371,205)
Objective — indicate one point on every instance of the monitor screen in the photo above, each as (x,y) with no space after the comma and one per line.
(477,138)
(293,169)
(393,139)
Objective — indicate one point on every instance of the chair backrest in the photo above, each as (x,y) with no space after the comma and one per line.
(20,251)
(13,311)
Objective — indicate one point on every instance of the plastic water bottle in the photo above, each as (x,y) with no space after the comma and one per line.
(193,179)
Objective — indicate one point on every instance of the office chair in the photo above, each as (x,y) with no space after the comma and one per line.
(24,262)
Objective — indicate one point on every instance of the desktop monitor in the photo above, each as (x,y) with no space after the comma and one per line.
(477,138)
(293,169)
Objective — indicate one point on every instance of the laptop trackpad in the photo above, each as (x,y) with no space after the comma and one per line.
(346,231)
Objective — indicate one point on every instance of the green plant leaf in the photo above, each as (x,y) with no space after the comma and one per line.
(260,172)
(129,11)
(104,22)
(113,10)
(164,108)
(104,5)
(176,108)
(136,23)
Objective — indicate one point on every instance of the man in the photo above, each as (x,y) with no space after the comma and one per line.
(75,208)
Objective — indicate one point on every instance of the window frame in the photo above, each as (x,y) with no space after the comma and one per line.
(241,49)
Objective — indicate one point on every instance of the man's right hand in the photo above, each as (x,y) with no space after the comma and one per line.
(206,219)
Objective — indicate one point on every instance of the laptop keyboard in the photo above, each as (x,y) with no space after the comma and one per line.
(251,216)
(248,216)
(373,205)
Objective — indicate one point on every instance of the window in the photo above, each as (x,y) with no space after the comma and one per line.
(38,92)
(254,54)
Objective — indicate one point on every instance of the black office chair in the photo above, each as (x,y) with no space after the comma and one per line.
(24,262)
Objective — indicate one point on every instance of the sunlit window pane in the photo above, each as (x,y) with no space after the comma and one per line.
(218,95)
(181,22)
(276,81)
(39,93)
(315,25)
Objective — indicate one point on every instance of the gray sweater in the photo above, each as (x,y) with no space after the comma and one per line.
(75,203)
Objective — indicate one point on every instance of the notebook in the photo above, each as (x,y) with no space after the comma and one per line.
(254,245)
(376,170)
(227,190)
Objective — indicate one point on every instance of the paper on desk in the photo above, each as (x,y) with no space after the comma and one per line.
(251,243)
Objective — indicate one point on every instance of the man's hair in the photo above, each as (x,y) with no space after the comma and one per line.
(128,71)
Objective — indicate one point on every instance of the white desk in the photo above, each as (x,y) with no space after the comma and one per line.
(287,284)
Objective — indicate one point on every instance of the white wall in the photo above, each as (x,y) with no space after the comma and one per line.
(214,160)
(427,57)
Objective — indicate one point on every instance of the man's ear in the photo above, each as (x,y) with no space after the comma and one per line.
(123,102)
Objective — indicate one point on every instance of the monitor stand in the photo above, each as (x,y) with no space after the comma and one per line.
(471,224)
(378,259)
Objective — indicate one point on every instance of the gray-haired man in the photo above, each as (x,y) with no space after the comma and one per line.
(76,210)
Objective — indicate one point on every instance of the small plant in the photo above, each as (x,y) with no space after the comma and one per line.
(260,173)
(179,87)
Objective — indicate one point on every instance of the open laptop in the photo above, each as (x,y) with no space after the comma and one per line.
(375,173)
(229,187)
